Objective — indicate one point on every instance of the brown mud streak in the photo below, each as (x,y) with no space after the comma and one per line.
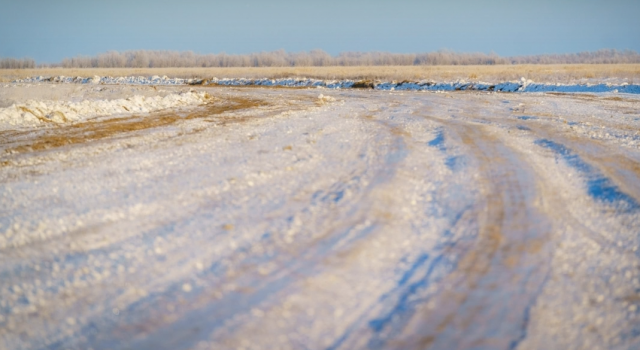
(88,131)
(609,160)
(477,262)
(612,163)
(592,97)
(499,247)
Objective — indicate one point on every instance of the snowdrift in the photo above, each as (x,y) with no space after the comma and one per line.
(35,112)
(522,85)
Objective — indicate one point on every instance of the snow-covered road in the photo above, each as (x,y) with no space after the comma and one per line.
(271,218)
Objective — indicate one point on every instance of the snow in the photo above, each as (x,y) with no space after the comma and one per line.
(324,98)
(38,112)
(345,219)
(523,85)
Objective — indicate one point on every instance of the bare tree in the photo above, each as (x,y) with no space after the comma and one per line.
(281,58)
(17,63)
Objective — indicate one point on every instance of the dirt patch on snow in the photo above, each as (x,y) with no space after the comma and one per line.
(94,130)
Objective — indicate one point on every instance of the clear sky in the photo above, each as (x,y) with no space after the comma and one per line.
(49,30)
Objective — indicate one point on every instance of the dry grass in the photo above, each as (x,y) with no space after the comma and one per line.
(542,73)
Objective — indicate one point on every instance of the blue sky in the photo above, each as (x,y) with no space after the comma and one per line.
(53,29)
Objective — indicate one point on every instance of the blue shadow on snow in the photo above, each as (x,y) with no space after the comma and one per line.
(599,187)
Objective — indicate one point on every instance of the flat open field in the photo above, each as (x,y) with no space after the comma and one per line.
(571,73)
(149,217)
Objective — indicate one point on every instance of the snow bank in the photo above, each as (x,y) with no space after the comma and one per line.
(139,80)
(509,86)
(522,85)
(34,112)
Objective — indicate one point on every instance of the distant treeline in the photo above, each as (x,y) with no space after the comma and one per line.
(17,63)
(318,58)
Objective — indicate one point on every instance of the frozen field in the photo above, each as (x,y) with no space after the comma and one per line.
(208,217)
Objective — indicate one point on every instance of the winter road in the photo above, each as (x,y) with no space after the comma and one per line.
(274,219)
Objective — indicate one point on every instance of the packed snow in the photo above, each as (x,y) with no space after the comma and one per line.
(231,217)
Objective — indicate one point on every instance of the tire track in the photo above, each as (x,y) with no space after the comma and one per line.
(498,279)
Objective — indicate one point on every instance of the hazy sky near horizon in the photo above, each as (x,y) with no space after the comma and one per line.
(49,30)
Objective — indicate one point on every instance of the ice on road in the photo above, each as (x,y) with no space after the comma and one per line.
(280,219)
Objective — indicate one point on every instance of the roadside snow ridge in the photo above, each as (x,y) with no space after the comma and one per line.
(34,112)
(522,85)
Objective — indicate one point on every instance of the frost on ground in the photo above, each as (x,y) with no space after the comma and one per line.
(351,219)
